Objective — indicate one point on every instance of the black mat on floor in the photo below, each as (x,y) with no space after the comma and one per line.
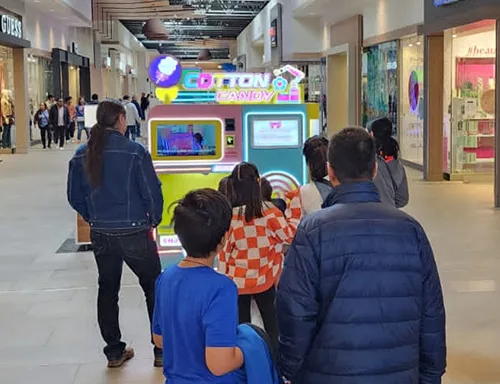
(69,246)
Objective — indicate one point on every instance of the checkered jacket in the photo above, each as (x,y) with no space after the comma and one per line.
(253,254)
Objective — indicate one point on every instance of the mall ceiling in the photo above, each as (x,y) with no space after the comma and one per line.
(192,25)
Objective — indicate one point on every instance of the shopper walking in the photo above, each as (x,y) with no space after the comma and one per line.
(41,120)
(70,131)
(112,184)
(144,104)
(80,120)
(141,115)
(391,180)
(360,299)
(132,118)
(59,120)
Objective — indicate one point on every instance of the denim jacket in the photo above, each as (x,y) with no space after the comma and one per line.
(129,195)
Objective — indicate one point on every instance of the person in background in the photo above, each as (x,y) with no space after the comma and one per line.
(391,180)
(267,195)
(360,300)
(80,120)
(223,187)
(94,99)
(59,119)
(253,254)
(132,118)
(309,198)
(196,310)
(141,115)
(41,120)
(50,102)
(112,184)
(70,132)
(144,104)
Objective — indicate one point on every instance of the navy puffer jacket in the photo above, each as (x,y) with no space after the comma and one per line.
(359,300)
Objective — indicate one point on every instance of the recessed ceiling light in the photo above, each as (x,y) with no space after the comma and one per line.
(419,43)
(51,10)
(410,45)
(453,35)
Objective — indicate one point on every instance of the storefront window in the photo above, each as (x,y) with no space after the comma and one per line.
(39,86)
(469,129)
(380,83)
(7,94)
(411,132)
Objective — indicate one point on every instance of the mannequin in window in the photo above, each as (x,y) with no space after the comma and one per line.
(7,118)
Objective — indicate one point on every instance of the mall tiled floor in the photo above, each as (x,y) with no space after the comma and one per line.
(48,332)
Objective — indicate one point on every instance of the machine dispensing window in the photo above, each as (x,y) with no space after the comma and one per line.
(230,125)
(276,132)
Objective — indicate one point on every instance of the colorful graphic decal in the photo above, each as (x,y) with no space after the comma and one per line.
(165,71)
(413,90)
(282,183)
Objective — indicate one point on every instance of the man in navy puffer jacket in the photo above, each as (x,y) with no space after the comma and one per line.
(359,300)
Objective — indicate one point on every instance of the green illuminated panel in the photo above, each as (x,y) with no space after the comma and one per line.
(176,186)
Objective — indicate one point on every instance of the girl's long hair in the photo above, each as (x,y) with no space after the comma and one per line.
(244,186)
(387,146)
(108,113)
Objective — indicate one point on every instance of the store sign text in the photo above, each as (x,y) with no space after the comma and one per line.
(475,51)
(11,26)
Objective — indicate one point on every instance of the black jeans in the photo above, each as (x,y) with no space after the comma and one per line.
(111,249)
(59,135)
(70,131)
(266,303)
(46,136)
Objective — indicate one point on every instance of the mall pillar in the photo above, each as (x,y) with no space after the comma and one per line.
(22,136)
(434,108)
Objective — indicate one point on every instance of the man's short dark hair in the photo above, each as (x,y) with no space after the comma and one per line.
(95,97)
(201,220)
(126,97)
(352,155)
(50,96)
(68,98)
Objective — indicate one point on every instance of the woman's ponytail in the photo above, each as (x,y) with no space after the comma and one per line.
(94,156)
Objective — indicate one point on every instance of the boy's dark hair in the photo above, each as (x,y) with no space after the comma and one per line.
(245,190)
(201,220)
(126,97)
(352,155)
(382,133)
(95,97)
(315,151)
(266,189)
(68,98)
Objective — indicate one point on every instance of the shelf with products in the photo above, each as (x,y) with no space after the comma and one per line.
(474,135)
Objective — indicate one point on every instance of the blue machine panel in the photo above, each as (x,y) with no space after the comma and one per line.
(273,137)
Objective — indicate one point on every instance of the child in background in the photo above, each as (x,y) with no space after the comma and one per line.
(253,254)
(196,315)
(223,186)
(267,194)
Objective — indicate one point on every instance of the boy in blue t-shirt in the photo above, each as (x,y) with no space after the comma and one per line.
(196,309)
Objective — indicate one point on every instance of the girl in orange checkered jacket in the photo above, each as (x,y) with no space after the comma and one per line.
(309,198)
(253,254)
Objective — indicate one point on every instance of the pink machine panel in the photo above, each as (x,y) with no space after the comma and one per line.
(231,116)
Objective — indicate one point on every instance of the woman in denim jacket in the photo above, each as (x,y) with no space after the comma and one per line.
(112,184)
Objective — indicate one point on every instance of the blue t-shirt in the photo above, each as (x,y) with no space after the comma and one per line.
(195,308)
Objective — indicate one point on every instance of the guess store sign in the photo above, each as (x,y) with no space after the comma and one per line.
(12,26)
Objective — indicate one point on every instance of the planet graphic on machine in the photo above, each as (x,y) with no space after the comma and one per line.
(413,90)
(282,183)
